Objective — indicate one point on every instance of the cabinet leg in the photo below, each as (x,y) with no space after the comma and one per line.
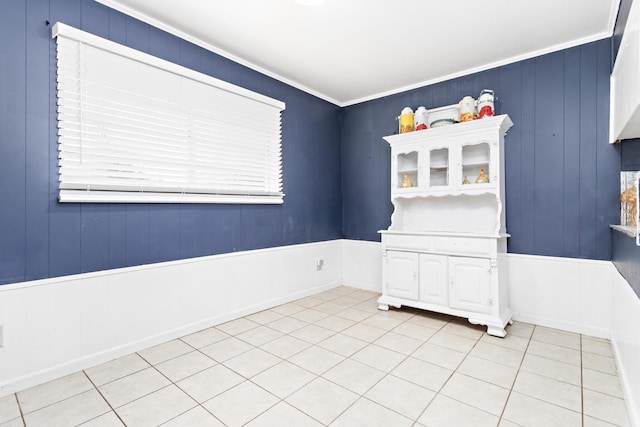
(496,331)
(384,307)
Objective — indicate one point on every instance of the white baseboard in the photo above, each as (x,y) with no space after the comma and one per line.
(625,339)
(55,327)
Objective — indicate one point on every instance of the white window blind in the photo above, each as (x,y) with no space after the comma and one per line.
(136,128)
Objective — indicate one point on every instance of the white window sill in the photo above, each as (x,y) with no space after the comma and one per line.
(80,196)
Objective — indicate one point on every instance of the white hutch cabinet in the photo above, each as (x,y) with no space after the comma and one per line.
(444,250)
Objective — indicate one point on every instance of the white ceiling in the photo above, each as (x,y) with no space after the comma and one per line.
(348,51)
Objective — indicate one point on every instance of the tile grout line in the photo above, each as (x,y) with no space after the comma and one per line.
(15,395)
(321,374)
(283,400)
(437,392)
(171,382)
(515,378)
(389,373)
(345,358)
(112,409)
(362,396)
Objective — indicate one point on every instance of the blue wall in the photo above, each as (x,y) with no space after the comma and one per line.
(41,238)
(630,155)
(626,258)
(562,177)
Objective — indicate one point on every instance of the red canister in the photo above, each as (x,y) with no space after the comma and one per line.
(421,118)
(485,104)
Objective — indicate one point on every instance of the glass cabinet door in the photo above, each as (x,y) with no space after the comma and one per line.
(475,164)
(407,170)
(439,167)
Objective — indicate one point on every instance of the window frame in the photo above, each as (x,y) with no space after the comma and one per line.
(269,168)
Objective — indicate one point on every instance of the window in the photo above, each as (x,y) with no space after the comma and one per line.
(136,128)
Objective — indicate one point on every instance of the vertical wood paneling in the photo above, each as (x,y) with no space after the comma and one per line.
(630,155)
(37,150)
(466,88)
(137,217)
(117,27)
(518,242)
(164,220)
(12,141)
(163,45)
(190,56)
(608,156)
(117,213)
(137,234)
(559,105)
(336,173)
(94,218)
(64,219)
(511,82)
(43,238)
(95,18)
(548,155)
(571,153)
(440,95)
(137,34)
(224,234)
(117,240)
(257,222)
(193,226)
(164,233)
(588,173)
(94,228)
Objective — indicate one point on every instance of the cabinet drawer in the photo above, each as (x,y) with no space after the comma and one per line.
(412,242)
(464,246)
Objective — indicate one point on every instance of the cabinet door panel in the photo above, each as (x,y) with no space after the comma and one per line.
(434,279)
(402,274)
(470,284)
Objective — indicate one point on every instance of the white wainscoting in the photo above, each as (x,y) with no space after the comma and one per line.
(362,267)
(54,327)
(563,293)
(625,338)
(58,326)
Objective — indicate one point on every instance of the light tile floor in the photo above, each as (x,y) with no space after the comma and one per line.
(334,359)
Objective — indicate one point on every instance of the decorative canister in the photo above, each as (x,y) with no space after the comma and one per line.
(467,108)
(485,104)
(406,120)
(420,119)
